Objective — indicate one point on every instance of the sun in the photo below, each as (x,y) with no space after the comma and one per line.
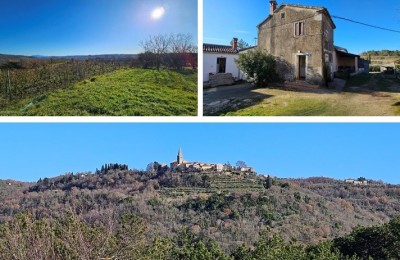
(157,13)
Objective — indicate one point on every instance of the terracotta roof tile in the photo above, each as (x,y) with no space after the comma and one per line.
(218,48)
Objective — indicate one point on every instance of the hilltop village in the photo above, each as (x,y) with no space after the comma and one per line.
(181,165)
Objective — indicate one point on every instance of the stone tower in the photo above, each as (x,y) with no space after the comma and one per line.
(179,158)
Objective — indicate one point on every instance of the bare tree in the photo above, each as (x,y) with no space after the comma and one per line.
(181,47)
(158,45)
(240,164)
(173,50)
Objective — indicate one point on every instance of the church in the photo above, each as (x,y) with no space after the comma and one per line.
(179,160)
(181,165)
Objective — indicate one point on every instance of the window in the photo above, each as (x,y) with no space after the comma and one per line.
(299,28)
(282,15)
(221,65)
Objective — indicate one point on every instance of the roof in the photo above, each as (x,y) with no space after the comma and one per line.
(248,48)
(345,54)
(317,8)
(338,48)
(219,48)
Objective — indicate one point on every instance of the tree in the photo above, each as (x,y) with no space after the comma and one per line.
(173,50)
(361,179)
(189,246)
(157,45)
(181,49)
(240,164)
(241,44)
(150,167)
(259,66)
(147,59)
(376,242)
(268,182)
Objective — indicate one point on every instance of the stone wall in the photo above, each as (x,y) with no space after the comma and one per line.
(221,79)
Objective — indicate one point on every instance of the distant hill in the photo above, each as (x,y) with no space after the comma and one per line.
(229,207)
(382,57)
(86,57)
(10,57)
(4,58)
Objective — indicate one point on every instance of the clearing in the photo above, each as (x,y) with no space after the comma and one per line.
(125,92)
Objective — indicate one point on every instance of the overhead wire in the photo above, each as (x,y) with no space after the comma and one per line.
(370,25)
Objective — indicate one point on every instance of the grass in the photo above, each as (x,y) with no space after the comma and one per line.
(289,103)
(127,92)
(388,81)
(358,80)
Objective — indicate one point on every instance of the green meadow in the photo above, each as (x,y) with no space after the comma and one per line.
(125,92)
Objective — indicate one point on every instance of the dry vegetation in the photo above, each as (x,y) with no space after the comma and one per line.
(231,209)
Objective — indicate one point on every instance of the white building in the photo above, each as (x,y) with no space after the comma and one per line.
(356,182)
(220,59)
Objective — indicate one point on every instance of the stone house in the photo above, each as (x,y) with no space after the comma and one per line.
(301,37)
(356,182)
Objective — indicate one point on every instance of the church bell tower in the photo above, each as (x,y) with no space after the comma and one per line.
(179,158)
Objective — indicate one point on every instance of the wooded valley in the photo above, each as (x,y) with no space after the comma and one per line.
(117,212)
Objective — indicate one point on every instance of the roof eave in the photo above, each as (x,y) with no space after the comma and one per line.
(264,21)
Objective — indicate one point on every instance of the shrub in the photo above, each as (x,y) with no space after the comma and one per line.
(260,67)
(374,69)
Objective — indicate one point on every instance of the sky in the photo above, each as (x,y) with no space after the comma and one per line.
(83,27)
(30,151)
(240,18)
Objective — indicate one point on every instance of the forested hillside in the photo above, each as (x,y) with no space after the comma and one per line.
(382,58)
(177,215)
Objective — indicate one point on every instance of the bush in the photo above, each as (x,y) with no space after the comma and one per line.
(259,65)
(374,69)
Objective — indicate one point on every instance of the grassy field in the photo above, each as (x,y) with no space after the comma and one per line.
(127,92)
(323,103)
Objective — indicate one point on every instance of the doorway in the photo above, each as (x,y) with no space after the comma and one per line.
(302,67)
(221,65)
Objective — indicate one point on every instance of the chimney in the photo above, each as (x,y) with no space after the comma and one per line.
(235,43)
(272,7)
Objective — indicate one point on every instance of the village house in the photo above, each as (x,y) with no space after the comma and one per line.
(219,66)
(220,59)
(356,182)
(302,39)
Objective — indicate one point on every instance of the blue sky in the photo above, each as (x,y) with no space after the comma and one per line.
(225,19)
(30,151)
(72,27)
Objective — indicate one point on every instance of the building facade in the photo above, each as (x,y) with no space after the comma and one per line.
(220,59)
(301,37)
